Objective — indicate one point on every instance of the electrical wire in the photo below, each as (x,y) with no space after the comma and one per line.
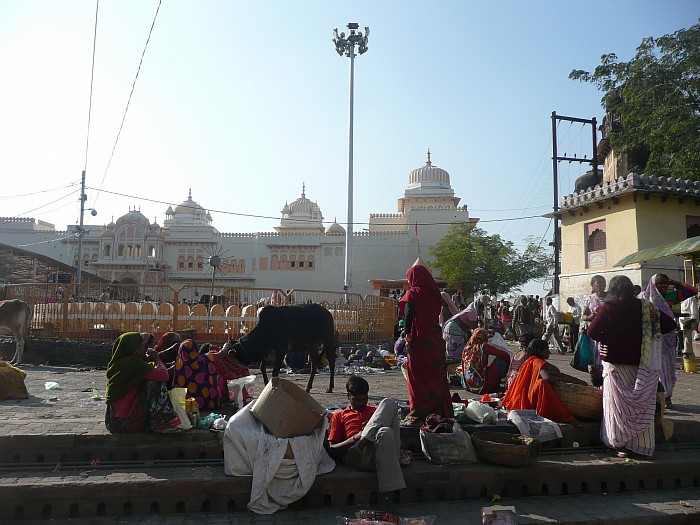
(255,216)
(47,204)
(32,193)
(92,79)
(126,109)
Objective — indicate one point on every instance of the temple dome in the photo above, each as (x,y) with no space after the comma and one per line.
(335,229)
(188,207)
(429,174)
(133,216)
(301,215)
(303,205)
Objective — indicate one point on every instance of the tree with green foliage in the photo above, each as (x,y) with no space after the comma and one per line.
(468,255)
(656,96)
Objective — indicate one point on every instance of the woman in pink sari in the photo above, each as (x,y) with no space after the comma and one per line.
(428,389)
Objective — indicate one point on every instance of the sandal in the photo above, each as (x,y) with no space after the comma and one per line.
(410,421)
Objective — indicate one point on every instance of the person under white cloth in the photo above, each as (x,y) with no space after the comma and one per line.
(369,437)
(689,323)
(249,449)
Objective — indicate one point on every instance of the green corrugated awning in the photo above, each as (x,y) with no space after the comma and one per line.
(684,247)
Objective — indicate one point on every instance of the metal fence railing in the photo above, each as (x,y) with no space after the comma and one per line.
(99,312)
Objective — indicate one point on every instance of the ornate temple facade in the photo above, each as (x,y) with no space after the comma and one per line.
(302,252)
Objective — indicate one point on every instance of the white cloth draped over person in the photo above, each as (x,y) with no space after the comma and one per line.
(250,450)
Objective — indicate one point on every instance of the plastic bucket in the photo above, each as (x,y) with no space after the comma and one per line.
(690,365)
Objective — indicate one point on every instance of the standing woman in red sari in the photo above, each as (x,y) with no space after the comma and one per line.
(428,389)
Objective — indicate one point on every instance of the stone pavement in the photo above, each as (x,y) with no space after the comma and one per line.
(71,409)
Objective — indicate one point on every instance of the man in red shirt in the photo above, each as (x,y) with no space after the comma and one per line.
(368,437)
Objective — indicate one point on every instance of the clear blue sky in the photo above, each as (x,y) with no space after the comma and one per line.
(244,101)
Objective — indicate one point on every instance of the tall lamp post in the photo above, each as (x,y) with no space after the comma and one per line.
(345,45)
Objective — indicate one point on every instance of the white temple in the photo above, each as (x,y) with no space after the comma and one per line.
(301,253)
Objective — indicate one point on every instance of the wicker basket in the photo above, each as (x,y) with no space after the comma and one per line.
(584,402)
(512,450)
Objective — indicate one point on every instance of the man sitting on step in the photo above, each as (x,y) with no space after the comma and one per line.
(368,437)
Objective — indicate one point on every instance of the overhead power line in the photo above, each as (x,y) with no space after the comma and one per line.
(256,216)
(126,109)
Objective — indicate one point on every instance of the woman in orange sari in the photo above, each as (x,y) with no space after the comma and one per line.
(532,387)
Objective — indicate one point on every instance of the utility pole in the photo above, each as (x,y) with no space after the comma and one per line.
(81,232)
(555,163)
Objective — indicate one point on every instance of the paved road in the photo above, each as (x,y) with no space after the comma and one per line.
(71,408)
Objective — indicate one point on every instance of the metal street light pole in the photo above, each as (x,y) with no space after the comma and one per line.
(345,45)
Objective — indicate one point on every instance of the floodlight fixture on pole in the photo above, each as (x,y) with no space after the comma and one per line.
(345,45)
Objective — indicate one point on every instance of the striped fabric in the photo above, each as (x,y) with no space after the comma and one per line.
(629,401)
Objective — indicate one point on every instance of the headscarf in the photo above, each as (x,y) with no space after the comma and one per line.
(653,294)
(148,338)
(474,349)
(125,371)
(167,340)
(651,328)
(450,303)
(425,295)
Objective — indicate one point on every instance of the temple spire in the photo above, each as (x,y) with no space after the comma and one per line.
(428,163)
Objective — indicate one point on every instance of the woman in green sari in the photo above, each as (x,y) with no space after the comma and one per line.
(137,393)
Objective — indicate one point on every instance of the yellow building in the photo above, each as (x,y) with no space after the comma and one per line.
(603,224)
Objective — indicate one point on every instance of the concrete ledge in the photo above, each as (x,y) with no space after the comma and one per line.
(135,492)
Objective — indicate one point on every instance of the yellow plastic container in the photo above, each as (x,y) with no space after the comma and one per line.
(690,365)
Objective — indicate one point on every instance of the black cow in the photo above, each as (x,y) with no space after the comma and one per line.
(284,328)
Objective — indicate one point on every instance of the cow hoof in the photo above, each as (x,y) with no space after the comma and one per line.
(329,390)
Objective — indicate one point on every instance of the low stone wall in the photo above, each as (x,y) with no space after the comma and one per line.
(59,353)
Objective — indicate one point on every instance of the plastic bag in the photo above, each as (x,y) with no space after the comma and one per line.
(177,398)
(52,385)
(481,413)
(460,412)
(583,354)
(472,380)
(206,422)
(451,447)
(235,386)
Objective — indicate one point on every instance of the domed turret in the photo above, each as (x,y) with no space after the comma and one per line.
(301,215)
(188,213)
(188,207)
(133,216)
(335,229)
(429,174)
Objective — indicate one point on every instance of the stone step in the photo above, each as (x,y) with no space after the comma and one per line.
(657,507)
(147,489)
(202,444)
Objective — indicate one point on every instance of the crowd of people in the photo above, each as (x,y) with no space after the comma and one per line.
(626,336)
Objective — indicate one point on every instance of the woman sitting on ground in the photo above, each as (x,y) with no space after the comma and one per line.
(532,387)
(456,332)
(196,371)
(483,364)
(167,348)
(519,357)
(137,395)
